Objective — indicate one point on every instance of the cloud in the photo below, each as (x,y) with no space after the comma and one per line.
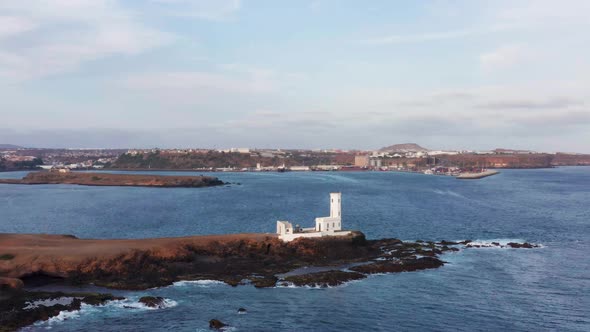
(229,86)
(195,82)
(63,35)
(553,103)
(558,121)
(504,57)
(14,25)
(422,37)
(546,12)
(216,92)
(218,10)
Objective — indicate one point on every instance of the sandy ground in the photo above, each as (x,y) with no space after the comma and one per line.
(33,252)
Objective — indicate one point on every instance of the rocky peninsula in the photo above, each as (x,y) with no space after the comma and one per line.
(112,179)
(261,260)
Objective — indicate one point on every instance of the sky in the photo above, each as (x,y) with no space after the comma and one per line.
(296,74)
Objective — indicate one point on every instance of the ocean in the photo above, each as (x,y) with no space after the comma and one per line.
(544,289)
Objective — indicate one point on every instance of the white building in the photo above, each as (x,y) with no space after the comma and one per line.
(324,226)
(299,168)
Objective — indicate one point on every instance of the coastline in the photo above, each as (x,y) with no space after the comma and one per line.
(257,259)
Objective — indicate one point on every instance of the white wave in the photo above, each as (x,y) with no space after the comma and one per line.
(87,308)
(503,243)
(288,284)
(49,302)
(135,304)
(64,315)
(200,283)
(447,192)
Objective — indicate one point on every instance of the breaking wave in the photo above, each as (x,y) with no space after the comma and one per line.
(500,243)
(85,309)
(199,283)
(134,304)
(288,284)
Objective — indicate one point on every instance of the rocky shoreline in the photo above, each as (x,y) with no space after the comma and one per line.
(261,260)
(113,179)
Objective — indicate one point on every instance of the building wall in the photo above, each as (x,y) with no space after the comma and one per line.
(284,227)
(335,205)
(362,161)
(291,237)
(328,224)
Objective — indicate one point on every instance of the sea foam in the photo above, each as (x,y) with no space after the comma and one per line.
(503,243)
(199,283)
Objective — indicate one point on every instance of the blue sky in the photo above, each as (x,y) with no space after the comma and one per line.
(309,74)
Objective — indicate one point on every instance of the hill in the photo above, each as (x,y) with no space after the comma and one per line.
(406,147)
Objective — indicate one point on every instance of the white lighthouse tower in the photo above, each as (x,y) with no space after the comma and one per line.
(334,221)
(335,205)
(324,226)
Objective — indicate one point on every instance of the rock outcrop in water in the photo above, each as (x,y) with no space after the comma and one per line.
(152,301)
(19,309)
(111,179)
(216,324)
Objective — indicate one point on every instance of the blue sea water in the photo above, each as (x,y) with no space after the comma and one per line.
(546,289)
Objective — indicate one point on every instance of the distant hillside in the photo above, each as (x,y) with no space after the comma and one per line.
(10,146)
(406,147)
(508,151)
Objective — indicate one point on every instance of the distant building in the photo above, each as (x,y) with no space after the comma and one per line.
(240,150)
(299,168)
(375,162)
(324,226)
(361,160)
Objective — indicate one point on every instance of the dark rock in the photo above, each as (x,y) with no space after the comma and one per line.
(324,279)
(448,243)
(451,249)
(405,265)
(497,244)
(216,324)
(152,301)
(264,282)
(522,245)
(242,311)
(466,242)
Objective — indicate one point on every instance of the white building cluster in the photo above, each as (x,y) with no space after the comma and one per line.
(324,226)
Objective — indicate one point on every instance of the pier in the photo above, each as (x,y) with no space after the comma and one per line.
(473,176)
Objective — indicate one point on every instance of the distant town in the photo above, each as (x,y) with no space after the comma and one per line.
(408,157)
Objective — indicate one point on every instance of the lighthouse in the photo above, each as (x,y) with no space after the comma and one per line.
(335,205)
(334,221)
(324,226)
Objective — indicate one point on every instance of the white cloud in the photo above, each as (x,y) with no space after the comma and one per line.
(225,85)
(218,10)
(546,12)
(70,33)
(504,57)
(216,91)
(423,37)
(14,25)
